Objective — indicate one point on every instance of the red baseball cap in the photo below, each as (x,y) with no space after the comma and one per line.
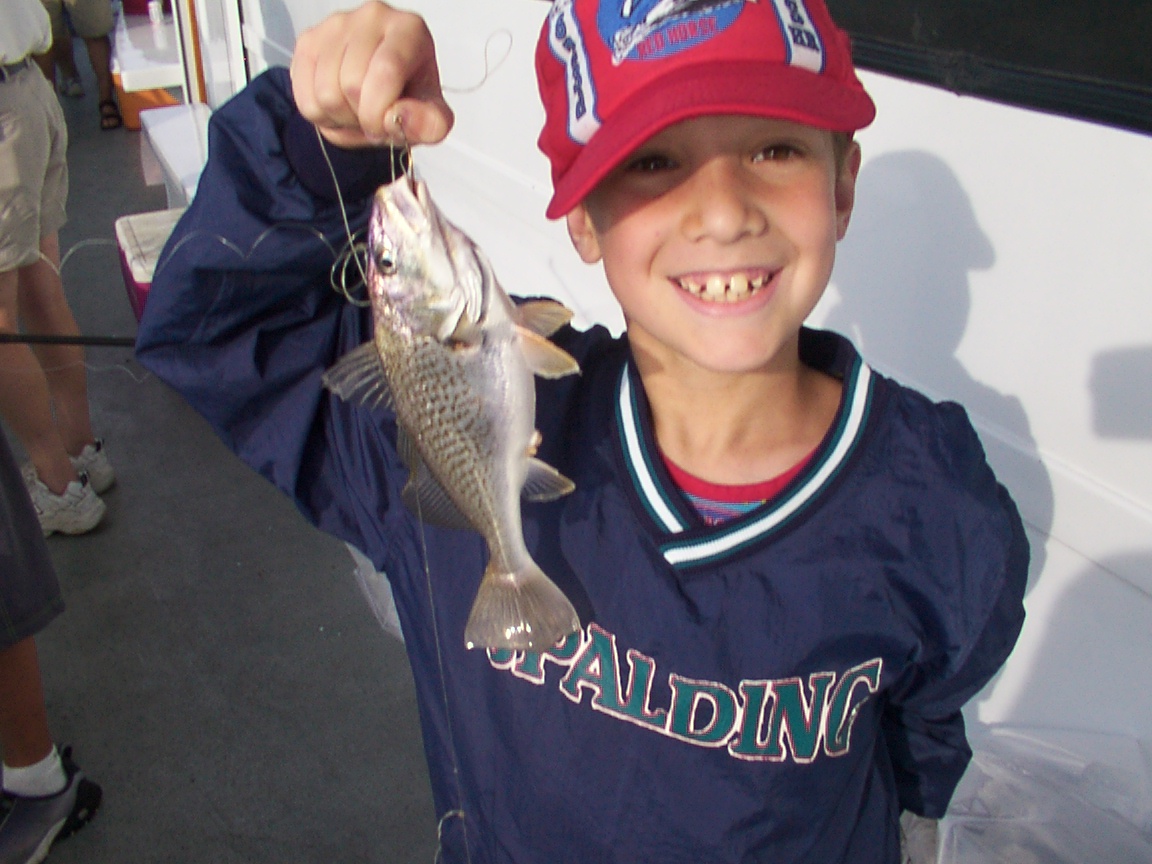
(612,73)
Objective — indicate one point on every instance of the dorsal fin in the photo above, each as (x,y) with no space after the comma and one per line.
(543,317)
(359,374)
(544,358)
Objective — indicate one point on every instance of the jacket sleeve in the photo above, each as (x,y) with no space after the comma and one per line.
(242,318)
(980,569)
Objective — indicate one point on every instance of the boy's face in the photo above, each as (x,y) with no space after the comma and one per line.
(718,237)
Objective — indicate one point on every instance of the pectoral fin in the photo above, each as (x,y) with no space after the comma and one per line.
(359,374)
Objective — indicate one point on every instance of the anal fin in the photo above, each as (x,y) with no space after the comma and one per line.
(545,483)
(423,494)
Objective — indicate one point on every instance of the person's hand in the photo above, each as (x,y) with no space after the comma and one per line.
(369,77)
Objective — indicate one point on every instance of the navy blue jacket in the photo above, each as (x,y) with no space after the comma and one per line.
(775,689)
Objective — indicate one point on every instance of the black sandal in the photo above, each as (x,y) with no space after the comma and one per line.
(110,115)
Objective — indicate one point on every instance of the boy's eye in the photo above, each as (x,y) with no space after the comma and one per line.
(649,163)
(776,153)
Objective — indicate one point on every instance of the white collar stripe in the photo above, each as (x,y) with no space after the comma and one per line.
(641,470)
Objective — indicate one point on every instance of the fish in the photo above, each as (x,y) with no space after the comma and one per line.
(455,358)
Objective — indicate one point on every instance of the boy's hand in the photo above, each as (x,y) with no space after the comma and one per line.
(369,77)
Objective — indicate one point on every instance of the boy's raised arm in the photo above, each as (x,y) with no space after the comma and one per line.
(242,318)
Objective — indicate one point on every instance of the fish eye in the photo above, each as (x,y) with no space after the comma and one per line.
(385,262)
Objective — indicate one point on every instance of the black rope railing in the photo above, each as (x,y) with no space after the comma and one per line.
(51,339)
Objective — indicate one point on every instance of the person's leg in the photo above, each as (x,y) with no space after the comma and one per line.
(47,64)
(26,401)
(63,53)
(45,795)
(93,21)
(47,60)
(44,309)
(24,735)
(30,599)
(100,56)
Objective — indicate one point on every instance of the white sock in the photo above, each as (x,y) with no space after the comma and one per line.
(46,777)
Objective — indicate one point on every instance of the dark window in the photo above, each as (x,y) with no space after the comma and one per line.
(1079,58)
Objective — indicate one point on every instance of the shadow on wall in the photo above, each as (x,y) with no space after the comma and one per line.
(904,296)
(1121,384)
(902,274)
(1097,635)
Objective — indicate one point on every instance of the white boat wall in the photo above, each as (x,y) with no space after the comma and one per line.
(998,256)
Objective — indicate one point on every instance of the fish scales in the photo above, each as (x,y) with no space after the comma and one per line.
(440,401)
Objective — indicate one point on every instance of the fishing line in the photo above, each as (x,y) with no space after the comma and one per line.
(91,241)
(355,249)
(455,813)
(353,246)
(489,68)
(241,255)
(101,341)
(451,814)
(338,278)
(22,338)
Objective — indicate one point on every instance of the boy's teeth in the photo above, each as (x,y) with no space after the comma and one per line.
(721,289)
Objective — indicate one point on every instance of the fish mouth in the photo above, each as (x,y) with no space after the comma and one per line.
(728,287)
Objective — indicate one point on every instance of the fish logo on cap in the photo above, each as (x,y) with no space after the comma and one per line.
(651,29)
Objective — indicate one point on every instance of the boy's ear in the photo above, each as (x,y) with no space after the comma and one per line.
(583,234)
(846,188)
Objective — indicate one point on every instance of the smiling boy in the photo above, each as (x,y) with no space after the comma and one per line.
(791,572)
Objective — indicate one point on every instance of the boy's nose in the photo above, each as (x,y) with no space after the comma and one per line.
(720,204)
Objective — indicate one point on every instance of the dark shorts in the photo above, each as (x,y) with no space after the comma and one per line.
(29,593)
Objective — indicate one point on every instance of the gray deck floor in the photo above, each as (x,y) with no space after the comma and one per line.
(217,670)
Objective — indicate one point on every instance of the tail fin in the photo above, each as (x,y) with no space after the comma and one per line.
(522,611)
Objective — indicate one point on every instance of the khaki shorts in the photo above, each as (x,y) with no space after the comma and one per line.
(90,18)
(33,166)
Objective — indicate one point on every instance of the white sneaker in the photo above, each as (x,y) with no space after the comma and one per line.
(71,87)
(93,460)
(77,511)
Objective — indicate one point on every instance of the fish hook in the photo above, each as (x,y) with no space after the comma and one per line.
(406,151)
